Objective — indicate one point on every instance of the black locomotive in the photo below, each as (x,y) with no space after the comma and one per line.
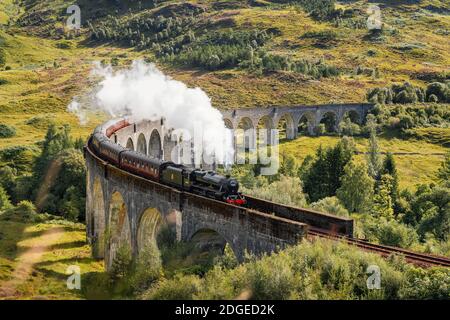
(205,183)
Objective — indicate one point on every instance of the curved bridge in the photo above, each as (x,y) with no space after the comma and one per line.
(125,210)
(295,118)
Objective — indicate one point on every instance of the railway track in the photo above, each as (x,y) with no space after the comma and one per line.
(418,259)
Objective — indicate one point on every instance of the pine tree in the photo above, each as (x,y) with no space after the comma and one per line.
(4,200)
(356,191)
(444,170)
(389,167)
(382,201)
(323,176)
(373,158)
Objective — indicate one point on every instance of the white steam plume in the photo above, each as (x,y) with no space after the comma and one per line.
(144,92)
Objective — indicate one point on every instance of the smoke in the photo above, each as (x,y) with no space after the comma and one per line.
(144,92)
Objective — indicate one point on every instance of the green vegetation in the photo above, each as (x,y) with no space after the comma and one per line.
(254,53)
(27,241)
(407,93)
(53,178)
(321,176)
(319,270)
(7,131)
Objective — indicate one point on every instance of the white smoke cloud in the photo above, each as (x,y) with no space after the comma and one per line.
(144,92)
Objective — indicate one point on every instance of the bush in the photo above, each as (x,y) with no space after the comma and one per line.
(121,264)
(330,205)
(387,232)
(437,91)
(422,284)
(7,131)
(25,211)
(2,57)
(19,158)
(407,93)
(271,278)
(178,288)
(288,191)
(320,129)
(4,200)
(64,45)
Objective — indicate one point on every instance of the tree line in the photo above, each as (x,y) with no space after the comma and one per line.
(48,178)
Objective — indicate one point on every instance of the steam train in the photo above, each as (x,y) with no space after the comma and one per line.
(201,182)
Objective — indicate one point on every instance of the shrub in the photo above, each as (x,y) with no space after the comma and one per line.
(19,158)
(25,211)
(422,284)
(288,191)
(178,288)
(121,264)
(7,131)
(40,122)
(407,93)
(320,129)
(438,91)
(330,205)
(387,231)
(64,45)
(271,278)
(2,57)
(4,200)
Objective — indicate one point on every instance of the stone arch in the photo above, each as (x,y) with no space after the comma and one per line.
(305,125)
(141,144)
(154,145)
(130,144)
(248,139)
(330,120)
(266,122)
(245,123)
(285,126)
(118,227)
(209,240)
(353,115)
(150,224)
(98,220)
(228,123)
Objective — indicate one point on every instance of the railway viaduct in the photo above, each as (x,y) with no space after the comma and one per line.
(295,119)
(125,210)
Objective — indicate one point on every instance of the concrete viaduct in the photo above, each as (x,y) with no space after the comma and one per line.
(125,210)
(295,119)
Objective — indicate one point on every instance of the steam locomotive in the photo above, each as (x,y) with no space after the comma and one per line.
(201,182)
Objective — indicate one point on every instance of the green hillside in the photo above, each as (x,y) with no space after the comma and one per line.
(242,54)
(298,56)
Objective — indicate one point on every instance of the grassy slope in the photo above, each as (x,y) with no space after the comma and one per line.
(48,279)
(419,166)
(36,88)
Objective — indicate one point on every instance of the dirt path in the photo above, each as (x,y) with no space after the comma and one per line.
(27,260)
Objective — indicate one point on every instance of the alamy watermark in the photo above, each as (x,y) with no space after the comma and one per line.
(74,280)
(74,20)
(374,20)
(251,146)
(374,279)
